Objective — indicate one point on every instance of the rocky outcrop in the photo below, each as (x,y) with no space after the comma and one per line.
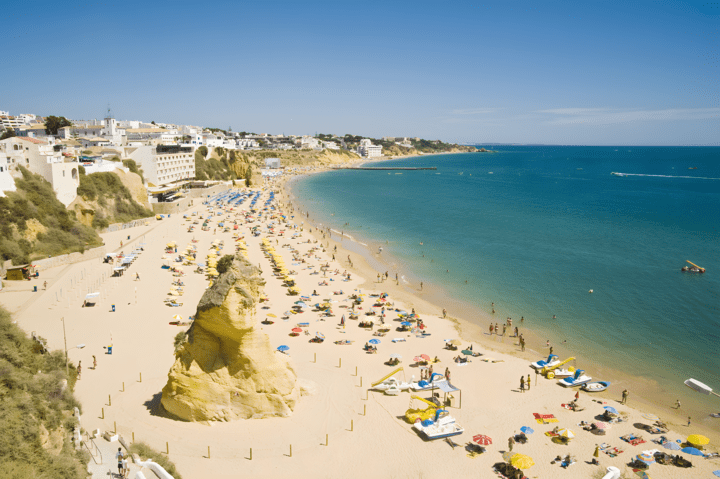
(227,368)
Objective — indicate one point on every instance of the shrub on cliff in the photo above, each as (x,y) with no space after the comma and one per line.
(108,186)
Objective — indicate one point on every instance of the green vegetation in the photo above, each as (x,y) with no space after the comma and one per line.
(104,187)
(179,339)
(210,169)
(8,133)
(248,177)
(36,405)
(35,202)
(133,167)
(203,151)
(146,452)
(54,123)
(224,263)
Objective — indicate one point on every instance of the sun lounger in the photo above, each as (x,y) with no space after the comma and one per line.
(399,340)
(633,439)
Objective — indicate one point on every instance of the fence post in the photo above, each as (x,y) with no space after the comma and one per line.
(109,400)
(167,447)
(351,424)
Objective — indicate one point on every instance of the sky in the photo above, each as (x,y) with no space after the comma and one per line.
(550,72)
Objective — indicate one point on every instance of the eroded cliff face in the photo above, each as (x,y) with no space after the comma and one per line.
(227,368)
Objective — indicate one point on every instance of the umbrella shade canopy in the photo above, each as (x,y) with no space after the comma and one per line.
(467,352)
(177,317)
(296,330)
(425,357)
(283,348)
(566,433)
(650,417)
(406,323)
(698,440)
(601,425)
(692,451)
(610,409)
(482,439)
(527,430)
(646,457)
(521,461)
(374,341)
(271,315)
(673,446)
(396,355)
(320,335)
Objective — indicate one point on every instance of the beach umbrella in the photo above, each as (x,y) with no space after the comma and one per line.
(283,348)
(566,433)
(650,417)
(521,461)
(270,315)
(648,458)
(482,440)
(467,352)
(692,451)
(177,317)
(374,341)
(296,330)
(601,425)
(320,335)
(673,446)
(610,409)
(406,323)
(395,355)
(527,430)
(417,359)
(698,440)
(717,473)
(425,357)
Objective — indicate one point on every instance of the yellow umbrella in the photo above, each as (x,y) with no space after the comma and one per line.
(566,433)
(177,317)
(270,315)
(521,461)
(698,440)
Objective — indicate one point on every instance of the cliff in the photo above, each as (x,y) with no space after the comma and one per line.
(227,368)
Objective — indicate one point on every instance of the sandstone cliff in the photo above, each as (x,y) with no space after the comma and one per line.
(227,368)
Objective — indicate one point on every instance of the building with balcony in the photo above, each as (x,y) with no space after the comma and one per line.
(164,164)
(368,150)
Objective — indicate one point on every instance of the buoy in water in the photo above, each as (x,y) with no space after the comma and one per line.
(590,291)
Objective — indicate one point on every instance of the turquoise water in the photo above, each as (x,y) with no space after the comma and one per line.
(534,228)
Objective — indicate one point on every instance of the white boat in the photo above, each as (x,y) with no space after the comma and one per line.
(578,379)
(392,383)
(443,426)
(595,387)
(562,373)
(551,361)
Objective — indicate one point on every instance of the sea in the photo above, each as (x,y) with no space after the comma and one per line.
(590,259)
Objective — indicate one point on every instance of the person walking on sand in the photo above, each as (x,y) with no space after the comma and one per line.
(444,313)
(492,328)
(447,374)
(528,382)
(119,457)
(511,443)
(677,404)
(625,395)
(522,344)
(94,363)
(421,284)
(689,418)
(504,329)
(45,285)
(137,276)
(522,384)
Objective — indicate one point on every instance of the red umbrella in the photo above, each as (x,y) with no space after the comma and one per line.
(425,357)
(482,439)
(296,330)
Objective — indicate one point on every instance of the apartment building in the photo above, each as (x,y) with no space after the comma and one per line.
(164,164)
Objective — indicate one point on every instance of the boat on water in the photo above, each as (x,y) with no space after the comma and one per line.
(560,373)
(595,387)
(578,379)
(552,360)
(617,174)
(442,426)
(692,269)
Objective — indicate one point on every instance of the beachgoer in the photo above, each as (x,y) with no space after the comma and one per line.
(577,395)
(522,344)
(121,244)
(94,362)
(554,317)
(430,372)
(516,331)
(444,313)
(511,443)
(528,382)
(497,329)
(677,404)
(522,318)
(45,285)
(522,383)
(625,395)
(491,328)
(447,374)
(689,421)
(421,284)
(504,329)
(79,369)
(551,349)
(137,276)
(126,468)
(119,457)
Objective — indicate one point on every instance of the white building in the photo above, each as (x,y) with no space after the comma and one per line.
(164,164)
(97,141)
(47,160)
(368,150)
(272,163)
(7,183)
(331,145)
(145,134)
(309,142)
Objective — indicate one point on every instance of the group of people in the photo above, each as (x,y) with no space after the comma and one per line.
(123,467)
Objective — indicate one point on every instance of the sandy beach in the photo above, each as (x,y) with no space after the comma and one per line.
(338,427)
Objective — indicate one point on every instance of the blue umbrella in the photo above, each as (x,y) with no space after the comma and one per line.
(374,341)
(717,473)
(673,446)
(406,323)
(693,451)
(283,348)
(527,430)
(610,409)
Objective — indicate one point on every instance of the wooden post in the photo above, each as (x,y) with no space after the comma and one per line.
(208,452)
(290,450)
(355,370)
(123,390)
(115,427)
(103,413)
(367,394)
(364,409)
(251,453)
(167,447)
(326,440)
(109,400)
(339,362)
(315,358)
(133,436)
(140,377)
(351,424)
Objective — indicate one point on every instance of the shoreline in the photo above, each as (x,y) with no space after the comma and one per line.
(647,393)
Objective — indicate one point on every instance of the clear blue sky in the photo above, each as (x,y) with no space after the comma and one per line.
(569,72)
